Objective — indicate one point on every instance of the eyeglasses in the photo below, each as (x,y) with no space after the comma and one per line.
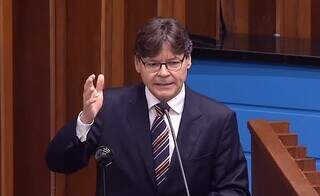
(172,65)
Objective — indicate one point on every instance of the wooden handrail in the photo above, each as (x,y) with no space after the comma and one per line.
(274,171)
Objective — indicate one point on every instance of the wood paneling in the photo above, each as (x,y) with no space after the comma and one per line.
(315,24)
(201,17)
(31,97)
(294,21)
(304,19)
(165,8)
(1,90)
(294,18)
(83,58)
(262,17)
(106,39)
(112,42)
(6,100)
(235,14)
(294,46)
(83,49)
(288,18)
(241,16)
(58,64)
(172,8)
(57,82)
(179,10)
(117,43)
(83,182)
(315,20)
(105,5)
(136,14)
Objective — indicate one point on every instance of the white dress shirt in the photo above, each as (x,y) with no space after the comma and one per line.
(176,104)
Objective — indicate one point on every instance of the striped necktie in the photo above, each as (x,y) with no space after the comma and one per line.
(160,145)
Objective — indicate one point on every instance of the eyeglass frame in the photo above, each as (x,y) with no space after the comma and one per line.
(163,63)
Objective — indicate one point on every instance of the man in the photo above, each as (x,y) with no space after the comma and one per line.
(131,123)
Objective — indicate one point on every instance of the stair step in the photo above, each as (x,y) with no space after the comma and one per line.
(288,139)
(313,177)
(306,164)
(317,189)
(279,126)
(297,152)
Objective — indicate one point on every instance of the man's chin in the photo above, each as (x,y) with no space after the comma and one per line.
(164,95)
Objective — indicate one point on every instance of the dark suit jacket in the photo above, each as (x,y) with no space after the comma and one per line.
(208,140)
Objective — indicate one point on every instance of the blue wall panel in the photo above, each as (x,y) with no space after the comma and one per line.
(264,90)
(248,157)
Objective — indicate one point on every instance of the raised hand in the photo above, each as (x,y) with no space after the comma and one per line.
(92,98)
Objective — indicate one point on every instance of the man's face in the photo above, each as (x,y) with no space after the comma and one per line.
(164,84)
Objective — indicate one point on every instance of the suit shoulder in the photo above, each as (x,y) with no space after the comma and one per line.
(210,105)
(122,96)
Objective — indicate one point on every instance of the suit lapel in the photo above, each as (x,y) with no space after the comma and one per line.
(138,118)
(189,131)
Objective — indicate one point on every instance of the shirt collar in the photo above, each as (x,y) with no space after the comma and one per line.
(176,103)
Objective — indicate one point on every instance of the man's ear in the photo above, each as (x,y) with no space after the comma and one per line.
(137,64)
(189,62)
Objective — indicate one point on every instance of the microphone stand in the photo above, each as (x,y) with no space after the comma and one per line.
(104,158)
(104,180)
(166,110)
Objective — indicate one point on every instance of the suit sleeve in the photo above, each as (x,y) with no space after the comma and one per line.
(230,168)
(66,153)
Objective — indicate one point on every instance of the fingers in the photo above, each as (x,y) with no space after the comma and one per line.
(91,92)
(88,88)
(89,81)
(100,83)
(92,97)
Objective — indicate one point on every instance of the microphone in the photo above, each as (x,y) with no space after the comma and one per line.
(103,156)
(165,107)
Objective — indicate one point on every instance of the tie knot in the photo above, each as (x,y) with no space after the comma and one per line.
(159,109)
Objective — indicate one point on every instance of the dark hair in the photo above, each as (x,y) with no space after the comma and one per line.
(156,32)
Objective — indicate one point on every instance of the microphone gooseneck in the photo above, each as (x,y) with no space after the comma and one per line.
(166,108)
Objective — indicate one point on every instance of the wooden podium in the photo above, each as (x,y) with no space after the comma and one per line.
(279,165)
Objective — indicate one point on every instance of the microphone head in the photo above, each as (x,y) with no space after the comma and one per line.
(103,156)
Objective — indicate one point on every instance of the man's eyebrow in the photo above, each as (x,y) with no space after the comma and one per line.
(156,60)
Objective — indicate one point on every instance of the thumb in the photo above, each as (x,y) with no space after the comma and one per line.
(100,83)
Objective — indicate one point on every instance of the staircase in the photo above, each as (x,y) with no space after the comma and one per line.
(298,153)
(280,165)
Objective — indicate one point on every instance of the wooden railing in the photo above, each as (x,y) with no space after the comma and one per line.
(280,166)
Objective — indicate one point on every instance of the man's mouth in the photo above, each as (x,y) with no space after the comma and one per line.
(164,84)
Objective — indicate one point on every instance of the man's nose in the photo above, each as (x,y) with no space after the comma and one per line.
(163,70)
